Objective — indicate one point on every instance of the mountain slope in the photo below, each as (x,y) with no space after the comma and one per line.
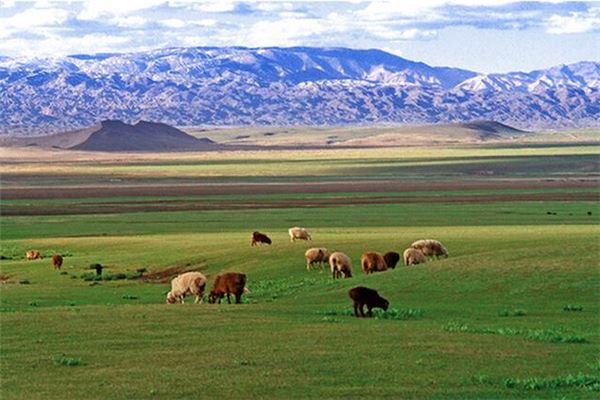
(284,86)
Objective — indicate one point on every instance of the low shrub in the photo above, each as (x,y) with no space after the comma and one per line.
(570,307)
(512,313)
(391,313)
(67,361)
(542,335)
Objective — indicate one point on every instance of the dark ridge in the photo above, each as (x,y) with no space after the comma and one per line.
(115,135)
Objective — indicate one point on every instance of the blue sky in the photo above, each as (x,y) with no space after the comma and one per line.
(492,36)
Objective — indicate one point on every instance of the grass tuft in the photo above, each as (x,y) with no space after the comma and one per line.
(391,313)
(512,313)
(67,361)
(541,335)
(570,307)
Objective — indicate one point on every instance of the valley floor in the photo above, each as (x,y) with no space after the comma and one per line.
(512,313)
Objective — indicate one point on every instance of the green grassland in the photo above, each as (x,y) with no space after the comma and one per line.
(512,313)
(305,165)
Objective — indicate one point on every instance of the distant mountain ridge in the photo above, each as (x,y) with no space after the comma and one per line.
(284,86)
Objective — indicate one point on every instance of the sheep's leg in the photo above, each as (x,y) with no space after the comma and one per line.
(228,299)
(355,305)
(238,298)
(362,310)
(370,313)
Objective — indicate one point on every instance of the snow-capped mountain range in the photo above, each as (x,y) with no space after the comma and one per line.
(283,86)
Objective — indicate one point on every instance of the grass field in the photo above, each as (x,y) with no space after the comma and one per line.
(512,313)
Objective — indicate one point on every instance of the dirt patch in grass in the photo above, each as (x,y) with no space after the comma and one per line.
(5,279)
(208,205)
(208,189)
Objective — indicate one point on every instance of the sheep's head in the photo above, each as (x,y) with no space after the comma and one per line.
(212,297)
(383,303)
(171,299)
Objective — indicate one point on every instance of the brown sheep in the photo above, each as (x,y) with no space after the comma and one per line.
(413,257)
(372,262)
(316,255)
(391,259)
(226,284)
(340,265)
(57,261)
(258,238)
(298,233)
(187,283)
(33,255)
(362,296)
(430,248)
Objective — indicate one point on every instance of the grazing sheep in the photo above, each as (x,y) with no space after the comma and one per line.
(413,257)
(362,296)
(372,262)
(258,238)
(430,248)
(33,255)
(340,265)
(187,283)
(57,261)
(226,284)
(391,259)
(316,255)
(298,233)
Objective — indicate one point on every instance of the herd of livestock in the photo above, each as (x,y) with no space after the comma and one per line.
(234,283)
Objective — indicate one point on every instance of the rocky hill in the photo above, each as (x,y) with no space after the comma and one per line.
(284,86)
(114,136)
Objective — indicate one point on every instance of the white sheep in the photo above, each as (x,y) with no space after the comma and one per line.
(316,255)
(340,265)
(430,248)
(413,256)
(187,283)
(298,233)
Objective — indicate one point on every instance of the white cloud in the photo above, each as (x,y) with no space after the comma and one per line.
(172,23)
(7,3)
(215,6)
(36,17)
(575,22)
(129,22)
(288,31)
(406,34)
(95,9)
(204,22)
(54,45)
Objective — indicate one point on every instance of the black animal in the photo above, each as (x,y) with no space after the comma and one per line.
(391,259)
(258,238)
(362,296)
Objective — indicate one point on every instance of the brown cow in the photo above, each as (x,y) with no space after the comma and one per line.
(258,238)
(391,259)
(33,255)
(372,262)
(362,296)
(226,284)
(57,261)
